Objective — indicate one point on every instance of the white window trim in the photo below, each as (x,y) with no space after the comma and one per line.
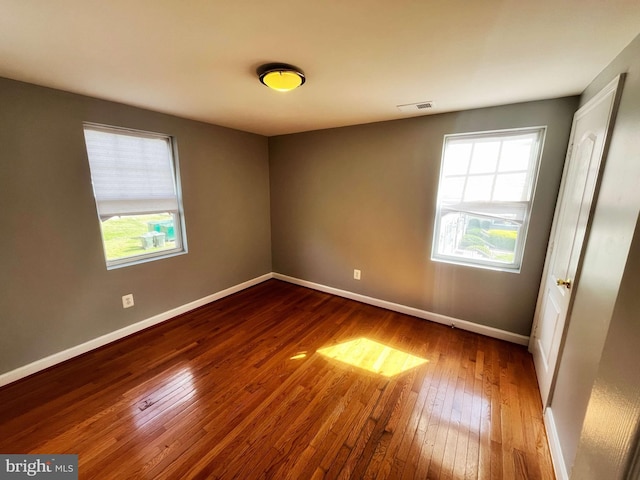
(179,225)
(516,266)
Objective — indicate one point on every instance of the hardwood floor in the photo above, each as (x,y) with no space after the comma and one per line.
(237,389)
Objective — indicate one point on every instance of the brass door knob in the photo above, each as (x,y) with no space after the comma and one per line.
(566,283)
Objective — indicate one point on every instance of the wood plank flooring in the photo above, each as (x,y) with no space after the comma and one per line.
(237,389)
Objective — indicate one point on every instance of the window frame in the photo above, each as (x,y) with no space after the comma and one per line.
(179,218)
(532,180)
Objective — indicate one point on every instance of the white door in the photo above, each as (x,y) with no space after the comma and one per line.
(587,146)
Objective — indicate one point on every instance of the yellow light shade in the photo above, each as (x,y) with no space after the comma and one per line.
(282,78)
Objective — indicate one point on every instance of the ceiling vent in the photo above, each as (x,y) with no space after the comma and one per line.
(416,107)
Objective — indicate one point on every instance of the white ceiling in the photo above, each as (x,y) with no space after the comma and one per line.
(197,58)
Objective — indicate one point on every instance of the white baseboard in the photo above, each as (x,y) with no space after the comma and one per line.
(60,357)
(554,446)
(69,353)
(434,317)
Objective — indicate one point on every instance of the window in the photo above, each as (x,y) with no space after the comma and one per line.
(484,197)
(137,192)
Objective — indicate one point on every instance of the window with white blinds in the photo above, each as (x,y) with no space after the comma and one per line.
(485,195)
(135,184)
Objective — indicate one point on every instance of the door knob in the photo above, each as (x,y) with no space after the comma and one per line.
(566,283)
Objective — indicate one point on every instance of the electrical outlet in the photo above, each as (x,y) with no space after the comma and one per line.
(356,274)
(127,301)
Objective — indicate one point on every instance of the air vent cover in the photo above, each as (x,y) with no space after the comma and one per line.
(416,107)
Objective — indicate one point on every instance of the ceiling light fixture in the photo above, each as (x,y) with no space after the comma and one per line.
(280,76)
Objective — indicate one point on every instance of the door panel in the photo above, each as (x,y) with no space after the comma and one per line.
(550,316)
(568,235)
(586,151)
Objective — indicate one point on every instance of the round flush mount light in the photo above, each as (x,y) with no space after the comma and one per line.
(280,76)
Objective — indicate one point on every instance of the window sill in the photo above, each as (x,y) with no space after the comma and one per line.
(127,262)
(469,263)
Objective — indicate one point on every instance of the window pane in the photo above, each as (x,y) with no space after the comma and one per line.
(457,156)
(477,237)
(511,187)
(485,157)
(452,188)
(133,235)
(451,229)
(516,155)
(478,188)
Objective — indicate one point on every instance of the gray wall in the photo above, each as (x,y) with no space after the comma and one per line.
(606,300)
(364,197)
(55,291)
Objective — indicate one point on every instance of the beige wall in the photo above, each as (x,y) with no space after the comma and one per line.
(55,291)
(364,197)
(606,302)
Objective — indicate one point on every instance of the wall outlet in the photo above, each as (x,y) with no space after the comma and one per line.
(127,300)
(356,274)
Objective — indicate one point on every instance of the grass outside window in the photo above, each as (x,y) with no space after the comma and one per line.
(122,235)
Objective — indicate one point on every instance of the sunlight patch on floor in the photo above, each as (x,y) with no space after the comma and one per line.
(373,356)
